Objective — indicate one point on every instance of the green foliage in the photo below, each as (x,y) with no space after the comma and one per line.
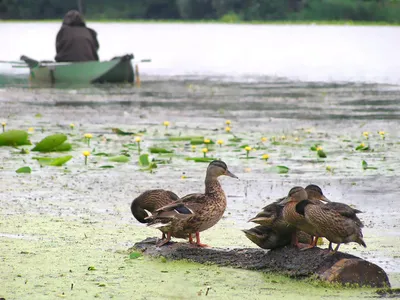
(53,142)
(24,170)
(14,138)
(119,158)
(53,161)
(229,11)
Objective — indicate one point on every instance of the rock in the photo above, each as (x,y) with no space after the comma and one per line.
(340,267)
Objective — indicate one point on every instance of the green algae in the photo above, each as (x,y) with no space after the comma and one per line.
(63,257)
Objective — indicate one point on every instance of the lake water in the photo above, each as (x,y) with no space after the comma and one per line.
(246,52)
(296,85)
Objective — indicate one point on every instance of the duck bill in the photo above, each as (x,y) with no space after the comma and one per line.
(323,198)
(230,174)
(284,200)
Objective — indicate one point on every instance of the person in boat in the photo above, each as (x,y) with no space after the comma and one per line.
(75,42)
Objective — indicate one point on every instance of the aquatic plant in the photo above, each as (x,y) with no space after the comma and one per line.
(248,149)
(88,137)
(53,143)
(204,150)
(14,138)
(138,140)
(86,154)
(3,124)
(220,142)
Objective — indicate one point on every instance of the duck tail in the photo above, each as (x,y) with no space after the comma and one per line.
(361,242)
(300,207)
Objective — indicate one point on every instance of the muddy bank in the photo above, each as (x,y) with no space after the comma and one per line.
(340,267)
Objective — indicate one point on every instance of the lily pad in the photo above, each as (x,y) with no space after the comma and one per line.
(53,161)
(51,143)
(185,138)
(14,138)
(106,167)
(119,158)
(201,159)
(279,169)
(144,160)
(321,153)
(121,132)
(24,170)
(159,150)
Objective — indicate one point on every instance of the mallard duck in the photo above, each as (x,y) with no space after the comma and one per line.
(314,192)
(149,201)
(267,238)
(271,215)
(289,214)
(204,210)
(335,226)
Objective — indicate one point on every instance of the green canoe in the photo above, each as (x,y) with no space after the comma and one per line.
(116,70)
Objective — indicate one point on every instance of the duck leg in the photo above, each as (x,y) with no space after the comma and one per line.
(336,249)
(198,243)
(163,242)
(313,243)
(295,240)
(191,239)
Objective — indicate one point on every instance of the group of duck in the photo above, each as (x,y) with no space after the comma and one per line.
(300,218)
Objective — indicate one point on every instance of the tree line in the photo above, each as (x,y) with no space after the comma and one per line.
(224,10)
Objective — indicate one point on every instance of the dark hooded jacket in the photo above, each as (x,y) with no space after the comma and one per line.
(76,42)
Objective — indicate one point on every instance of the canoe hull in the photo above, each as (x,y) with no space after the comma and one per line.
(117,70)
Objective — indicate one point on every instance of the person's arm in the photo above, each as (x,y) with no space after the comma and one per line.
(59,40)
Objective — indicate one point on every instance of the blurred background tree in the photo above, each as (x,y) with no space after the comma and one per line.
(224,10)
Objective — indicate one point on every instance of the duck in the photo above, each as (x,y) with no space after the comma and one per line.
(267,238)
(314,192)
(271,216)
(336,221)
(201,210)
(291,216)
(149,201)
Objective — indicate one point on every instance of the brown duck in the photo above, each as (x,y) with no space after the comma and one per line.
(201,211)
(149,201)
(271,216)
(267,238)
(292,217)
(336,221)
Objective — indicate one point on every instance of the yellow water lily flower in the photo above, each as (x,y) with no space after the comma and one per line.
(86,153)
(138,139)
(265,156)
(228,122)
(227,129)
(264,139)
(247,148)
(166,123)
(88,135)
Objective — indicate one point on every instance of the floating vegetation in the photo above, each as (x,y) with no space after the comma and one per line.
(24,170)
(53,161)
(53,143)
(119,159)
(121,132)
(14,138)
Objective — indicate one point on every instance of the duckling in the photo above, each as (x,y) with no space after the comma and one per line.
(149,201)
(204,210)
(332,224)
(267,238)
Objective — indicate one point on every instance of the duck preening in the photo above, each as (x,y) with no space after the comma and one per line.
(191,214)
